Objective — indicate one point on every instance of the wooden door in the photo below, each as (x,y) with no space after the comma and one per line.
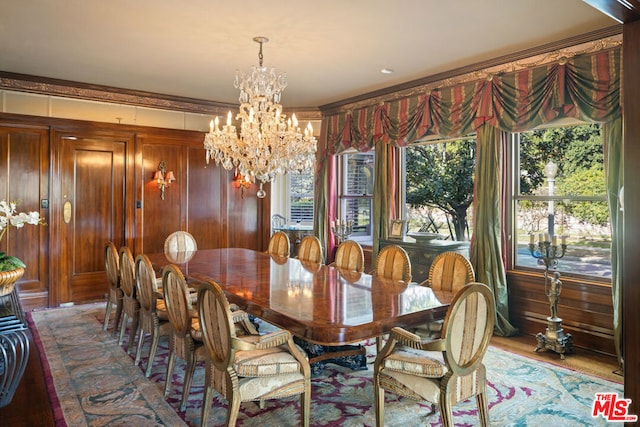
(24,179)
(90,209)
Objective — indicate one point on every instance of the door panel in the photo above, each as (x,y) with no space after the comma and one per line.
(93,190)
(24,169)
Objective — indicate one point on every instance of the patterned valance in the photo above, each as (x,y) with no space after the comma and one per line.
(585,87)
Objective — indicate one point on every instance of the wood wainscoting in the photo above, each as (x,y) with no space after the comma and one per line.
(586,309)
(92,182)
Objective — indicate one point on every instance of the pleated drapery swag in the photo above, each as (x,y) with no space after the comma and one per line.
(585,86)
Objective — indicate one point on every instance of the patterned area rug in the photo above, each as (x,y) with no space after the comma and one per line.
(97,384)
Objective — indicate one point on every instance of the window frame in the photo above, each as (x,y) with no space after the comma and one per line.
(343,198)
(289,199)
(512,193)
(402,158)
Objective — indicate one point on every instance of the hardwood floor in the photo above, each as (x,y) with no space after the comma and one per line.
(31,407)
(582,360)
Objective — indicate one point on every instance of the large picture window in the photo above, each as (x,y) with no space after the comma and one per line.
(559,188)
(439,187)
(356,192)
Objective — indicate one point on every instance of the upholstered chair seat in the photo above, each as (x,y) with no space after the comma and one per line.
(161,309)
(416,362)
(265,362)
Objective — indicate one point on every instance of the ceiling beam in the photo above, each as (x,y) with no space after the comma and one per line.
(623,11)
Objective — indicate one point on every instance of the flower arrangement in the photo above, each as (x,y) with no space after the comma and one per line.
(9,216)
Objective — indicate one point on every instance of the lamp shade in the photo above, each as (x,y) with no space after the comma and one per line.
(170,177)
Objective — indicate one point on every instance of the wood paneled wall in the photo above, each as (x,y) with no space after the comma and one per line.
(585,308)
(34,152)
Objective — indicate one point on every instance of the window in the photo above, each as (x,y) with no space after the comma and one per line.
(355,193)
(559,188)
(439,187)
(301,197)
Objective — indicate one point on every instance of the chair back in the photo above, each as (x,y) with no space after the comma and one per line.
(145,283)
(450,271)
(112,264)
(279,244)
(176,298)
(350,256)
(277,221)
(180,241)
(311,250)
(127,273)
(468,327)
(216,323)
(393,263)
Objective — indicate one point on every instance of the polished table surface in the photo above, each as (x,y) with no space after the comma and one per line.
(318,303)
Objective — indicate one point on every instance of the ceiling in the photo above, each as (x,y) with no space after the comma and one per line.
(331,50)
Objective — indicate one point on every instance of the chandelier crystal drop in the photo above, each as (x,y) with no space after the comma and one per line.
(268,144)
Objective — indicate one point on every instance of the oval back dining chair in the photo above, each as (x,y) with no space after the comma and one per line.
(349,256)
(311,250)
(130,305)
(114,297)
(180,241)
(450,271)
(154,319)
(279,244)
(250,367)
(444,371)
(185,336)
(393,263)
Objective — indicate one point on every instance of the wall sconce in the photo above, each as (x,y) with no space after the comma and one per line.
(163,178)
(240,181)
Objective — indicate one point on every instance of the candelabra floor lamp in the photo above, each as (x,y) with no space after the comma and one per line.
(548,253)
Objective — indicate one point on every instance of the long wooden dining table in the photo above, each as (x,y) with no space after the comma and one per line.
(317,303)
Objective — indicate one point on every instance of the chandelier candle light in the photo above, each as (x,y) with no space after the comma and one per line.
(268,144)
(548,253)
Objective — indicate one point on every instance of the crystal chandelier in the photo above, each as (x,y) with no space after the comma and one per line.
(269,144)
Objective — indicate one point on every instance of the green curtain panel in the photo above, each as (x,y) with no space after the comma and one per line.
(486,245)
(325,188)
(584,86)
(384,190)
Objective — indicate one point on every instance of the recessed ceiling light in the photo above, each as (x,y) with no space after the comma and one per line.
(386,71)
